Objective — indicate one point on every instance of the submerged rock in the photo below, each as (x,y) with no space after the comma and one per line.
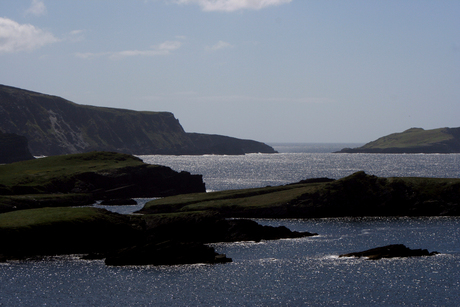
(390,251)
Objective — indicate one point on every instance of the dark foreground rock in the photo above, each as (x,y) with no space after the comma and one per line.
(166,253)
(126,239)
(390,251)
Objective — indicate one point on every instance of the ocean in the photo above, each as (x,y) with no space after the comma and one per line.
(291,272)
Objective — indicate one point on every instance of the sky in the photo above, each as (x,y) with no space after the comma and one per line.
(269,70)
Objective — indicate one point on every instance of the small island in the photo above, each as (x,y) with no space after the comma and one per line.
(46,211)
(46,208)
(414,140)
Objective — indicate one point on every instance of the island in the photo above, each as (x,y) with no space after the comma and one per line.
(390,251)
(46,210)
(356,195)
(83,179)
(414,140)
(56,126)
(46,205)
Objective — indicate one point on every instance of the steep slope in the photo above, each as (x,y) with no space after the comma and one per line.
(414,140)
(13,148)
(57,126)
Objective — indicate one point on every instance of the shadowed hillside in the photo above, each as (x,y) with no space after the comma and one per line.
(55,126)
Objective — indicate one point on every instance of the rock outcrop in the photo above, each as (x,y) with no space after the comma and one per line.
(13,148)
(414,140)
(356,195)
(55,126)
(166,253)
(80,179)
(125,239)
(390,251)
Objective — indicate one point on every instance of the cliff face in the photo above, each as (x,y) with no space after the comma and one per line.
(56,126)
(13,148)
(414,140)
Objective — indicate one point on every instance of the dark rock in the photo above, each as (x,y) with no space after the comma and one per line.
(119,202)
(390,251)
(166,253)
(13,148)
(248,230)
(211,228)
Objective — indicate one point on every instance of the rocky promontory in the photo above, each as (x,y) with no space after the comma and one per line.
(126,239)
(414,140)
(356,195)
(55,126)
(79,179)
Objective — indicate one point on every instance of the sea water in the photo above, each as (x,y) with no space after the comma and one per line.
(293,272)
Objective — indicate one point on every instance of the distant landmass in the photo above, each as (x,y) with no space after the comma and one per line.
(55,126)
(414,140)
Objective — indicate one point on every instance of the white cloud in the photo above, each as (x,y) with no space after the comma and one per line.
(160,49)
(15,37)
(232,5)
(75,36)
(37,8)
(219,45)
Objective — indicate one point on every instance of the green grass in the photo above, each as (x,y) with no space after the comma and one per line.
(40,171)
(47,216)
(231,199)
(414,137)
(273,199)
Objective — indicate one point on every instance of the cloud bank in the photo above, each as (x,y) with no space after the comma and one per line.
(15,37)
(232,5)
(37,8)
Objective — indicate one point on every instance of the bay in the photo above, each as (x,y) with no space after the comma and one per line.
(295,272)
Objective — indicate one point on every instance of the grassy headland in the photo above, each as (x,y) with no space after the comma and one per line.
(78,179)
(414,140)
(356,195)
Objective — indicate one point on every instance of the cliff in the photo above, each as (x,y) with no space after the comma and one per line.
(55,126)
(13,148)
(414,140)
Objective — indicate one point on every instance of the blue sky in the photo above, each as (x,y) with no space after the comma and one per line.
(270,70)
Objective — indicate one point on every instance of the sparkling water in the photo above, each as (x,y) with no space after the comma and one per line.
(294,272)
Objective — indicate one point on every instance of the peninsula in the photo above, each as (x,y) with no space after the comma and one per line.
(55,126)
(414,140)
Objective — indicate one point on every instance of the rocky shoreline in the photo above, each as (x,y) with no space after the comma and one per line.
(37,195)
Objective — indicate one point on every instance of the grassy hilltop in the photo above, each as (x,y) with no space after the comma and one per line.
(414,140)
